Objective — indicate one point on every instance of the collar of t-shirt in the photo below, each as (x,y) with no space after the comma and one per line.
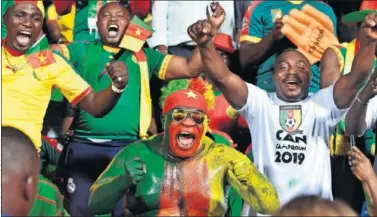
(278,101)
(10,50)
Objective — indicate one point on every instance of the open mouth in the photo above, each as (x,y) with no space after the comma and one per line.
(113,30)
(185,140)
(23,38)
(292,83)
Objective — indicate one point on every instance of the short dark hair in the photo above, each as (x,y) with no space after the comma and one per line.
(17,147)
(120,3)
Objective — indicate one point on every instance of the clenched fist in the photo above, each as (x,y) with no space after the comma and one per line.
(242,171)
(118,73)
(136,169)
(369,28)
(203,30)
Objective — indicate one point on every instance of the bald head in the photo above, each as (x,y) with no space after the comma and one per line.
(19,152)
(20,171)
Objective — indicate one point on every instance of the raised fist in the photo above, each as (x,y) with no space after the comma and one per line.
(218,15)
(201,32)
(369,28)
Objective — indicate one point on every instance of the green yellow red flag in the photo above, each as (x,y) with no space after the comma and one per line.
(136,34)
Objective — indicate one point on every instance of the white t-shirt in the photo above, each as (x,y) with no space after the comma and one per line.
(290,140)
(371,114)
(371,119)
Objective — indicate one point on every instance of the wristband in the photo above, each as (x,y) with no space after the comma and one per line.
(116,90)
(361,101)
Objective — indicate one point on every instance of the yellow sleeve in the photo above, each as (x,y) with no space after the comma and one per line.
(252,185)
(72,86)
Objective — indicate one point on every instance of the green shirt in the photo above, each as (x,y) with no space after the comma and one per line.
(48,201)
(81,29)
(123,120)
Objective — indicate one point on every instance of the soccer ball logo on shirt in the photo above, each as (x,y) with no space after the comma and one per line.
(290,118)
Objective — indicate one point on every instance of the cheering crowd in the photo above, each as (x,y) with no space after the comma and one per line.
(179,108)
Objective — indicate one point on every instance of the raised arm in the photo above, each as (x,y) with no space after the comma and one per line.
(231,85)
(180,67)
(254,188)
(356,116)
(78,92)
(330,68)
(255,46)
(123,172)
(347,87)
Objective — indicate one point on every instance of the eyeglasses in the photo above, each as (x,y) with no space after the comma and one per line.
(179,115)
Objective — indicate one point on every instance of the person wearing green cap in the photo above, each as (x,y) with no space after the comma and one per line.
(339,59)
(96,141)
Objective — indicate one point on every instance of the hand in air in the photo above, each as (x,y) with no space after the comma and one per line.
(369,28)
(203,31)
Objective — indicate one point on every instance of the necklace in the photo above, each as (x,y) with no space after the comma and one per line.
(11,66)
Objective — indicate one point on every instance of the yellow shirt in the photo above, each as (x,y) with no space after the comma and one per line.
(26,94)
(65,22)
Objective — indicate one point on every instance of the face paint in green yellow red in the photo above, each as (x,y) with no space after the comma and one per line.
(185,128)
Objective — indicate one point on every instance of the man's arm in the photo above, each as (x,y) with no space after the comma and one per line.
(179,67)
(232,86)
(254,47)
(371,195)
(78,92)
(356,116)
(347,87)
(111,185)
(253,53)
(254,188)
(330,68)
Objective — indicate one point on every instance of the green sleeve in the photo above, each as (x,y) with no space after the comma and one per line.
(77,53)
(157,62)
(111,185)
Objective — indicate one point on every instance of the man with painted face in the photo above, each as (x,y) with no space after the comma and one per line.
(99,140)
(290,128)
(181,172)
(30,71)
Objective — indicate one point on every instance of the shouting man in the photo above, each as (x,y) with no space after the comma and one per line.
(181,172)
(290,142)
(29,71)
(100,140)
